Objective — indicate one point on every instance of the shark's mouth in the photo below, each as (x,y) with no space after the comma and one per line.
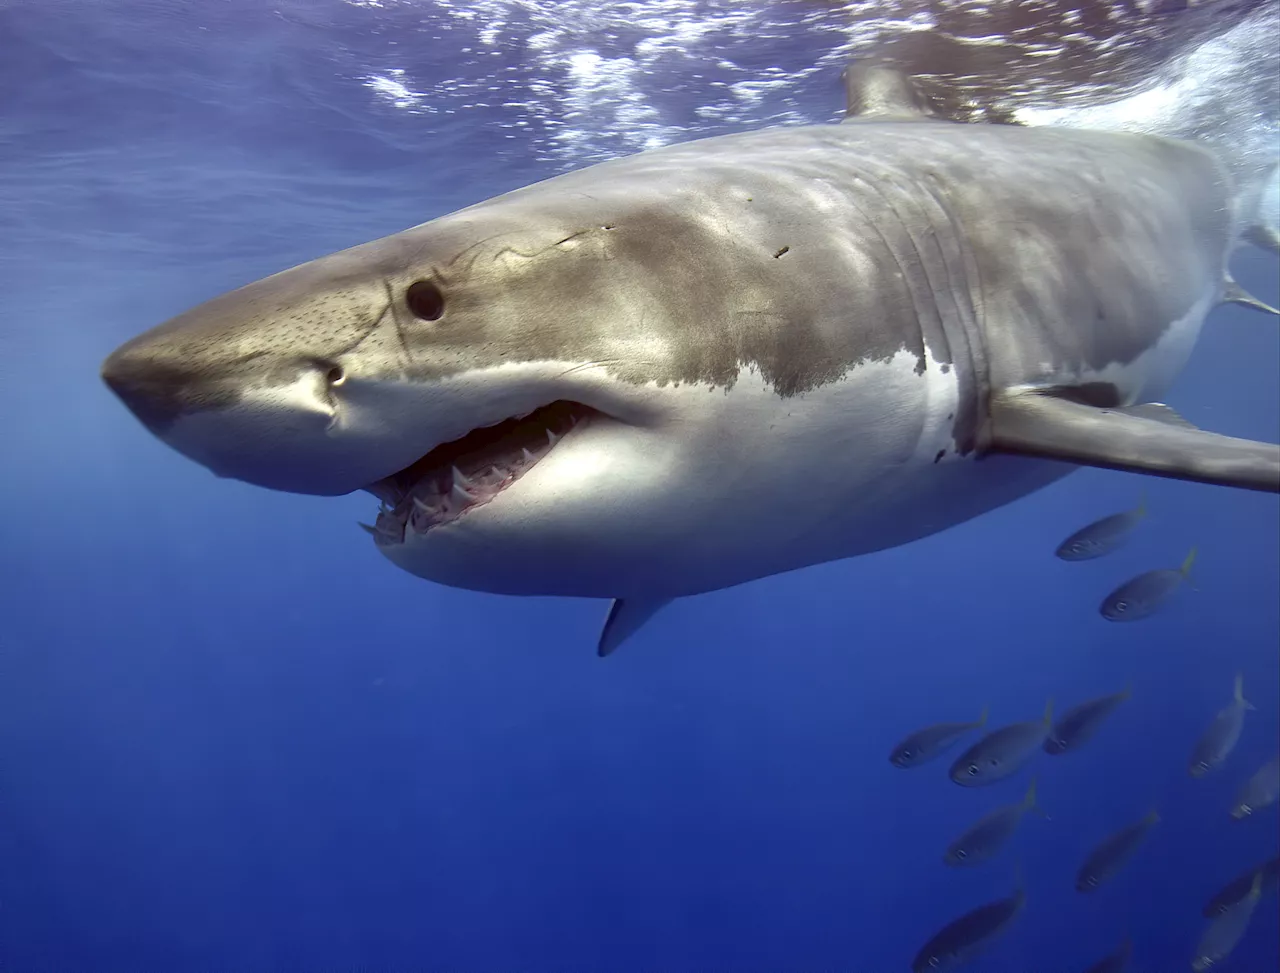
(459,476)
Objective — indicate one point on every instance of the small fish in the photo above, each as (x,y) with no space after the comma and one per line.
(1077,725)
(1141,596)
(961,940)
(1001,752)
(989,834)
(1113,853)
(923,745)
(1227,929)
(1259,791)
(1224,732)
(1238,887)
(1102,536)
(1116,962)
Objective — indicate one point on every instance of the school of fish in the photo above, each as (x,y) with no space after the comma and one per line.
(1006,750)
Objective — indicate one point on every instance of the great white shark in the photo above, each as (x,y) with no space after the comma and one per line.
(720,360)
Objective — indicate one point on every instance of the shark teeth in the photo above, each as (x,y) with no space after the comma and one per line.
(388,529)
(477,469)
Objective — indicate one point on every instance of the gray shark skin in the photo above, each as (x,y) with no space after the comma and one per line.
(733,357)
(1206,70)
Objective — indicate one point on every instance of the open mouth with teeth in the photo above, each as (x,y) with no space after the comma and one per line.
(459,476)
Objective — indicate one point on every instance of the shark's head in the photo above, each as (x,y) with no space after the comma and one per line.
(601,383)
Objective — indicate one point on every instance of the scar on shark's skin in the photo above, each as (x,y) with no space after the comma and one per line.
(922,364)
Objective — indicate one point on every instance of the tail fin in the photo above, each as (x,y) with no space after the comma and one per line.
(1029,802)
(1233,293)
(1255,890)
(1239,693)
(1189,560)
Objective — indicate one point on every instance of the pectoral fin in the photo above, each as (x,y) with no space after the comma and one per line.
(625,618)
(1149,438)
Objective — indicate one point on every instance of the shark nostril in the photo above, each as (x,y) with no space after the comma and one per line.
(335,376)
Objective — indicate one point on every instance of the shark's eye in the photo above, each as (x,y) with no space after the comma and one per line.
(425,300)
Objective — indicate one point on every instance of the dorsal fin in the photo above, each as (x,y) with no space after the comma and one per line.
(875,92)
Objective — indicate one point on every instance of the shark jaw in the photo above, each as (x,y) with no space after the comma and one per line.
(459,476)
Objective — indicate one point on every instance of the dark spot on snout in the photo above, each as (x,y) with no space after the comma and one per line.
(424,300)
(938,456)
(158,391)
(781,252)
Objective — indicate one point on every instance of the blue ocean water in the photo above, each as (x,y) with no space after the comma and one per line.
(233,738)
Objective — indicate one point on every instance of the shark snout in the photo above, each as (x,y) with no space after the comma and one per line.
(250,417)
(158,386)
(165,375)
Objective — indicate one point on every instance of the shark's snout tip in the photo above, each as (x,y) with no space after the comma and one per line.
(146,387)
